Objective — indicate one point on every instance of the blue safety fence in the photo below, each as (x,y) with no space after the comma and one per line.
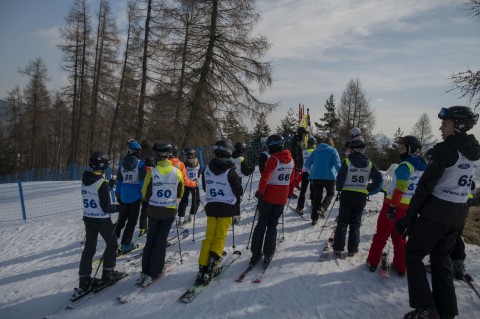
(32,195)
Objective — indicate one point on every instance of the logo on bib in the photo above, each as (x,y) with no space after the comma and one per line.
(464,166)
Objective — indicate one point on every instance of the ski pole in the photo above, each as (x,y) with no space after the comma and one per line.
(250,191)
(179,245)
(253,223)
(283,221)
(328,215)
(194,215)
(248,181)
(233,233)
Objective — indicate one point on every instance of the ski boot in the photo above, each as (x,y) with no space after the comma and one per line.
(85,285)
(266,261)
(202,276)
(321,212)
(254,260)
(371,267)
(110,276)
(213,265)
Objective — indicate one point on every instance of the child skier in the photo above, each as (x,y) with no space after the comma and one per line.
(128,191)
(353,182)
(223,188)
(192,166)
(96,217)
(163,187)
(186,181)
(311,144)
(274,188)
(396,203)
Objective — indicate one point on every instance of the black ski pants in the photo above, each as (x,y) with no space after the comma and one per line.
(106,230)
(319,185)
(130,218)
(182,206)
(303,191)
(265,233)
(350,217)
(143,220)
(438,240)
(153,258)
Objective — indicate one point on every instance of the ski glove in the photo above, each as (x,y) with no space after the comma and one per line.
(404,225)
(258,195)
(111,183)
(117,197)
(391,213)
(236,220)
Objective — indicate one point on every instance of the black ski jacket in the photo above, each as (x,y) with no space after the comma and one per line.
(444,155)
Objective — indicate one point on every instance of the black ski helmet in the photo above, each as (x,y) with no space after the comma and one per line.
(356,146)
(312,141)
(222,148)
(162,150)
(149,161)
(174,150)
(133,147)
(464,118)
(189,153)
(240,147)
(275,143)
(302,130)
(99,161)
(411,142)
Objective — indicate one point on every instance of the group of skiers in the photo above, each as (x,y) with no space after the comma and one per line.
(426,202)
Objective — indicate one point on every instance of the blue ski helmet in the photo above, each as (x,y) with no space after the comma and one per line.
(133,147)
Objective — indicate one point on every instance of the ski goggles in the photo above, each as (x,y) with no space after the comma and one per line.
(444,113)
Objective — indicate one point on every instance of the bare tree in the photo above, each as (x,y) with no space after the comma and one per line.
(422,130)
(468,82)
(354,111)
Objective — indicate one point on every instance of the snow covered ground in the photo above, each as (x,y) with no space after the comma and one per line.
(39,264)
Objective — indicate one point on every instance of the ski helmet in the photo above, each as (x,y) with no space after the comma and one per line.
(189,152)
(240,147)
(412,144)
(356,146)
(99,161)
(312,141)
(133,147)
(275,143)
(174,150)
(222,148)
(355,132)
(464,118)
(149,161)
(162,150)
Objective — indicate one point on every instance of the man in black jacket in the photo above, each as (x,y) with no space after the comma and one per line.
(437,214)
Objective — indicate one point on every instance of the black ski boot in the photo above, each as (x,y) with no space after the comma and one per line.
(84,287)
(266,260)
(202,276)
(213,265)
(110,276)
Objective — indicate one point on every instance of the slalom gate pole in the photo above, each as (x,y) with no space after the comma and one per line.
(328,215)
(253,223)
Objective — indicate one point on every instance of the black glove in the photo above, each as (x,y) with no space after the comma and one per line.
(258,195)
(119,208)
(111,183)
(117,197)
(236,219)
(404,225)
(391,213)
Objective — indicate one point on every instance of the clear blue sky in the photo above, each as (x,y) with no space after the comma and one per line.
(403,52)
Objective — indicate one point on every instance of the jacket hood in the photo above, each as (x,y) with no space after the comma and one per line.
(129,162)
(323,147)
(358,159)
(89,178)
(283,156)
(465,144)
(218,166)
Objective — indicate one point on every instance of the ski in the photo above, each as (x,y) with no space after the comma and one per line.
(299,212)
(174,239)
(195,290)
(472,283)
(92,293)
(384,268)
(245,273)
(328,247)
(138,246)
(136,290)
(259,277)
